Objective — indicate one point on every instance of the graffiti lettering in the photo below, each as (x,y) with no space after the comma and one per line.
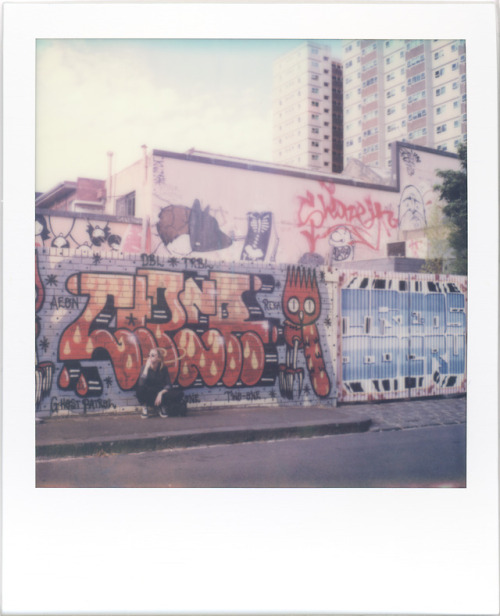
(319,215)
(99,404)
(151,260)
(68,303)
(271,305)
(211,328)
(64,404)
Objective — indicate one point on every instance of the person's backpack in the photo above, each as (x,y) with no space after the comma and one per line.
(177,406)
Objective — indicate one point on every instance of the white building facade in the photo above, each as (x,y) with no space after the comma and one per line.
(402,90)
(302,108)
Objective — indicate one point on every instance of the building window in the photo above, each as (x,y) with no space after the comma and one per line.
(416,78)
(441,109)
(441,129)
(125,206)
(441,91)
(439,73)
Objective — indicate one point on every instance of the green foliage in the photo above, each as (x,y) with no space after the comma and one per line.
(453,190)
(438,249)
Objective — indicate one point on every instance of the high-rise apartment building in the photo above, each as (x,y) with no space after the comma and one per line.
(402,90)
(307,109)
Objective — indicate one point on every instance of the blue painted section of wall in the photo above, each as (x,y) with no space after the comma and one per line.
(402,336)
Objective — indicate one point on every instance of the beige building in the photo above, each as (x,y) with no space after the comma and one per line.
(307,109)
(402,90)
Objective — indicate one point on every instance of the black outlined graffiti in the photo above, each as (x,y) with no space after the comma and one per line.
(411,158)
(411,209)
(257,240)
(342,245)
(184,230)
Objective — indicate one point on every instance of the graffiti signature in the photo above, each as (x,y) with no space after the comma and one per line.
(320,214)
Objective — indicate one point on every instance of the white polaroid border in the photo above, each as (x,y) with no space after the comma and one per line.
(291,551)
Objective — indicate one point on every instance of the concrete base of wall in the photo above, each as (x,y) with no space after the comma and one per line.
(389,264)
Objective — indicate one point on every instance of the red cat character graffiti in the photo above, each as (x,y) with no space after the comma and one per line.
(302,308)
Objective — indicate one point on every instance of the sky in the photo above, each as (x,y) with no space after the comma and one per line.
(94,96)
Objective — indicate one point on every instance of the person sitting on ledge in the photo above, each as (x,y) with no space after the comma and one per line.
(154,388)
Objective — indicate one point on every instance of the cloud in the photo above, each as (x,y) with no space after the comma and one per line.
(92,99)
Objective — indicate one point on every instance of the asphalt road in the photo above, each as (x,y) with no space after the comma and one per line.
(420,457)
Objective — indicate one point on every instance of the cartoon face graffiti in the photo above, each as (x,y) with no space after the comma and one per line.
(97,235)
(411,209)
(302,308)
(184,230)
(342,245)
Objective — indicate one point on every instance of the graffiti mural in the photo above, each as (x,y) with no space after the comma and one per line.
(184,230)
(302,308)
(86,235)
(322,214)
(402,336)
(221,330)
(411,209)
(208,337)
(410,158)
(258,237)
(342,245)
(43,370)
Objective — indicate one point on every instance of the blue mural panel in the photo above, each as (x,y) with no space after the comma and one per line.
(402,335)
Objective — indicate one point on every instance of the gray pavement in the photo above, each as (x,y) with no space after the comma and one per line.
(126,433)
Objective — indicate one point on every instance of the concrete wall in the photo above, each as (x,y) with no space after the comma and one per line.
(228,331)
(247,334)
(89,233)
(260,214)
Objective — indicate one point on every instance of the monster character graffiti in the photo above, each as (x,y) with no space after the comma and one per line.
(302,308)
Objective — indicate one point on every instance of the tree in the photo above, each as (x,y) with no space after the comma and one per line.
(453,190)
(438,249)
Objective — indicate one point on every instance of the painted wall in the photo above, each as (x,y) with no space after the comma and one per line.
(89,234)
(252,333)
(231,212)
(401,335)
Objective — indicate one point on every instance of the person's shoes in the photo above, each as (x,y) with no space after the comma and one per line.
(144,413)
(163,412)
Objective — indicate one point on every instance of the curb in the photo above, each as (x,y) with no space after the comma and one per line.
(135,444)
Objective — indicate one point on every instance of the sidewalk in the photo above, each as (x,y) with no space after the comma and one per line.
(127,433)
